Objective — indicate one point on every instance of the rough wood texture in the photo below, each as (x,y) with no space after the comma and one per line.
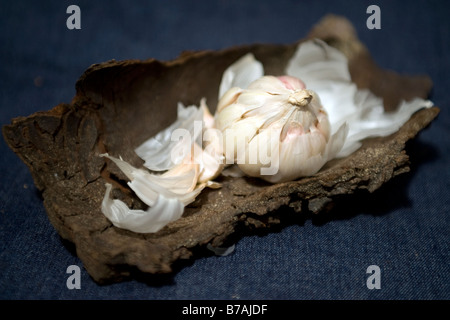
(119,104)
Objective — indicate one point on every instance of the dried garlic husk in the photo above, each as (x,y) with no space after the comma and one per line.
(188,166)
(325,70)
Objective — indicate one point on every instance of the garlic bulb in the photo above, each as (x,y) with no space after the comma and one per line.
(278,129)
(275,129)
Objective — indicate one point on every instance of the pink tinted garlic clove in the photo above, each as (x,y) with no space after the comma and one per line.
(292,83)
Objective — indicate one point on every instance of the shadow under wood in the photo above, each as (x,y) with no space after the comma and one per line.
(389,197)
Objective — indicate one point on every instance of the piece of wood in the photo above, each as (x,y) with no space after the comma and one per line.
(120,104)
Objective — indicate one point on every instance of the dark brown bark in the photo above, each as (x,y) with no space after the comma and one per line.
(120,104)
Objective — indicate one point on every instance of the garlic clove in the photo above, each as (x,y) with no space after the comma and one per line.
(292,83)
(269,84)
(259,158)
(253,99)
(229,115)
(238,137)
(210,160)
(228,98)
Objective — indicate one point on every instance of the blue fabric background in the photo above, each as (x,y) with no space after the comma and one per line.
(403,228)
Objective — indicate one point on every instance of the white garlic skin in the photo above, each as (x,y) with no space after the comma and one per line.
(282,128)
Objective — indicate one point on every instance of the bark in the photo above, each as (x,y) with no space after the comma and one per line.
(120,104)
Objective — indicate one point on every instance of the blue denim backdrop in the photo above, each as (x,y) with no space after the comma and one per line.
(403,228)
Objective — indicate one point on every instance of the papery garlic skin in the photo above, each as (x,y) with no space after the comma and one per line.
(189,165)
(241,73)
(325,70)
(164,211)
(158,151)
(275,129)
(166,195)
